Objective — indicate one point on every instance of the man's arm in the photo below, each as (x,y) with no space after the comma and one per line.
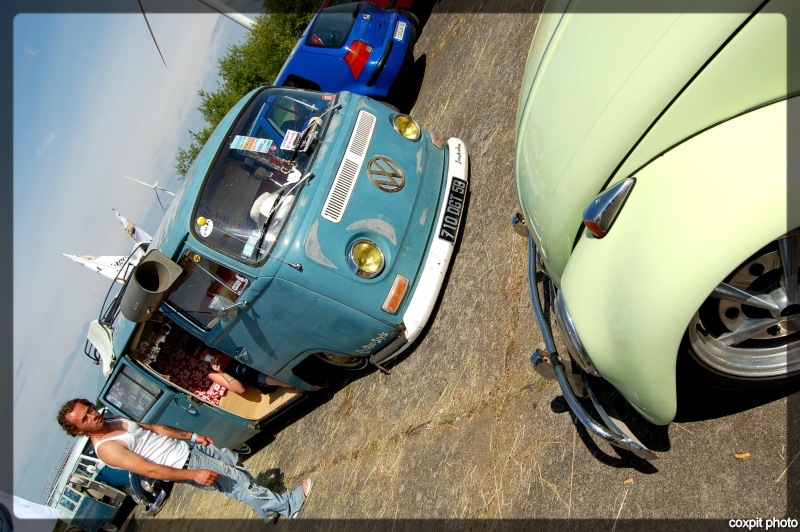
(116,454)
(176,434)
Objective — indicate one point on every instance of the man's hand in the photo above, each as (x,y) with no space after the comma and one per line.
(205,477)
(204,440)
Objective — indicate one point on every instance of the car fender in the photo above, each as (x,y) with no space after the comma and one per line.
(694,214)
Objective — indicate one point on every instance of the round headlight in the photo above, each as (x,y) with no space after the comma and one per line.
(407,126)
(365,259)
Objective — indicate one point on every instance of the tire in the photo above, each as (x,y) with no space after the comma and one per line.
(738,344)
(343,361)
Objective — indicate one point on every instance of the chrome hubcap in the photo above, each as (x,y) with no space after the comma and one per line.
(749,327)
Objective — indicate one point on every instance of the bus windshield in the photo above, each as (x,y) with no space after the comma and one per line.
(252,185)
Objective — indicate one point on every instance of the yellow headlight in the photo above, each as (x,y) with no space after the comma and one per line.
(366,259)
(407,126)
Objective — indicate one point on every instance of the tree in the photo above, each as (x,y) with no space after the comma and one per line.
(251,64)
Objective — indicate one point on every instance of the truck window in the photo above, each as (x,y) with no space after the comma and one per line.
(206,279)
(67,504)
(333,25)
(258,158)
(132,394)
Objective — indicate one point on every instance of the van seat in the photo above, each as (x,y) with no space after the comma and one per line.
(252,404)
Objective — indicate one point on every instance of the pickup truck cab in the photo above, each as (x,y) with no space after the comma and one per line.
(313,231)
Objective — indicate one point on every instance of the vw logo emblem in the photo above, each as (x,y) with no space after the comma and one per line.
(385,174)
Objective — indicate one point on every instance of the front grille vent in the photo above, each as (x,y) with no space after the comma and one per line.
(345,180)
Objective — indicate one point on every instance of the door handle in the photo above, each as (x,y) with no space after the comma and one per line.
(189,408)
(241,353)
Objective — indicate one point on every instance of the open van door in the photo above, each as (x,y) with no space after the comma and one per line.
(136,393)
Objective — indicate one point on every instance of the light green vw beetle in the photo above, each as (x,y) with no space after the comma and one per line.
(652,158)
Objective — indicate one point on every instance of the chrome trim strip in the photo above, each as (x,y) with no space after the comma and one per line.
(571,338)
(347,175)
(612,435)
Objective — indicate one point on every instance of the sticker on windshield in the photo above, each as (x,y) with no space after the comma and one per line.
(290,140)
(293,137)
(250,246)
(241,142)
(206,228)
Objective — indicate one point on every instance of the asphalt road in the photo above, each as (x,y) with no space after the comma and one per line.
(463,429)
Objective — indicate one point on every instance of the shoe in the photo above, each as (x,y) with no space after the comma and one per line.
(243,449)
(267,389)
(306,492)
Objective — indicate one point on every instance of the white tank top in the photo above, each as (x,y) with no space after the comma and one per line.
(155,448)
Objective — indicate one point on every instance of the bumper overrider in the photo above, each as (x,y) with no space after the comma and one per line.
(573,375)
(437,262)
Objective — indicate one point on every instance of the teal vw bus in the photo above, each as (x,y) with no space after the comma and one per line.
(313,231)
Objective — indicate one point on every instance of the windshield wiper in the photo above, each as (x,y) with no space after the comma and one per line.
(265,227)
(313,123)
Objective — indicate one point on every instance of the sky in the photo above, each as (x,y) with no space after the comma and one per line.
(92,102)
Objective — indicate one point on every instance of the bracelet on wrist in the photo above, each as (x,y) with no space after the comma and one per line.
(194,437)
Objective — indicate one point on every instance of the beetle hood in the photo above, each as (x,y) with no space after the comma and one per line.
(684,67)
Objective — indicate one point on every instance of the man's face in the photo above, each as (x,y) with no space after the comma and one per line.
(85,418)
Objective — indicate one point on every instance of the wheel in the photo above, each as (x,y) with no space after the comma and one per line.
(343,361)
(747,333)
(108,527)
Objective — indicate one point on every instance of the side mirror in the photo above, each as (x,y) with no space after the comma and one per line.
(225,309)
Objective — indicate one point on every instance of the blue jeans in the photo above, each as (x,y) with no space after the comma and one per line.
(237,483)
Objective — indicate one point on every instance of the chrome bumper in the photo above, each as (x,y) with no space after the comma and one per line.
(151,502)
(549,365)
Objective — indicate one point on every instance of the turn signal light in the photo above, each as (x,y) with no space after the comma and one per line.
(396,294)
(357,56)
(599,216)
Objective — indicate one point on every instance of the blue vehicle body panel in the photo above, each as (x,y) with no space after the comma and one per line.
(327,69)
(175,408)
(91,514)
(302,297)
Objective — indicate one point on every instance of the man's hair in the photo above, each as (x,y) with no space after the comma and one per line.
(66,409)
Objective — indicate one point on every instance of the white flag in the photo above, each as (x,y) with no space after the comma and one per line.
(136,233)
(107,266)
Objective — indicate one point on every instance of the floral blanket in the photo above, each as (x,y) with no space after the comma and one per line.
(184,370)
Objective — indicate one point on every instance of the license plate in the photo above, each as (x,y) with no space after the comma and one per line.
(452,214)
(399,30)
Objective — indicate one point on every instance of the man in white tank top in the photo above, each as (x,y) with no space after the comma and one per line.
(162,452)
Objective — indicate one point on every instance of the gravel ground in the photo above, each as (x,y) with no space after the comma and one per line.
(463,433)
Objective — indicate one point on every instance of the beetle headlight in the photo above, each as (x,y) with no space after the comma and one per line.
(365,259)
(407,126)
